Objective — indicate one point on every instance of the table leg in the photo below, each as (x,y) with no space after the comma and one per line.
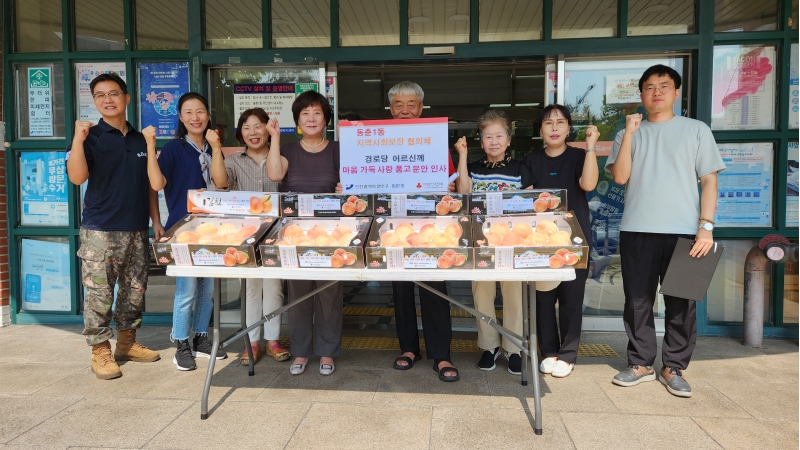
(525,335)
(247,347)
(534,347)
(214,349)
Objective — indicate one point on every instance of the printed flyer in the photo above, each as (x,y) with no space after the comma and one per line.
(274,98)
(44,273)
(161,85)
(745,186)
(43,188)
(792,173)
(743,96)
(40,102)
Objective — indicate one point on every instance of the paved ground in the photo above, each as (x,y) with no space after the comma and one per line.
(743,398)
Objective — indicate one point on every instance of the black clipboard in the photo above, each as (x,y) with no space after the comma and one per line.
(688,277)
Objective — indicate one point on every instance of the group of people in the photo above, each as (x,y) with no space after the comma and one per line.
(661,158)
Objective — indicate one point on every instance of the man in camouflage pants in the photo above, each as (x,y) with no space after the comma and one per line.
(112,156)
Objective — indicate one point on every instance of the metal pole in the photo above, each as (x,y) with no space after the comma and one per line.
(754,265)
(537,396)
(214,349)
(524,377)
(247,346)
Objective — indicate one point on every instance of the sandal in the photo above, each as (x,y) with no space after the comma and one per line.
(278,352)
(444,370)
(409,362)
(244,359)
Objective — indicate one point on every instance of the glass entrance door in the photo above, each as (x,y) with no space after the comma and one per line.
(602,93)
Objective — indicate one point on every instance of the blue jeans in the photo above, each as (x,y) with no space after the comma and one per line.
(189,292)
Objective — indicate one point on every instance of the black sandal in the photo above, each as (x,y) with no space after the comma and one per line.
(443,370)
(409,362)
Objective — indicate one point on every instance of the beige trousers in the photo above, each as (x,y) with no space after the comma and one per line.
(483,293)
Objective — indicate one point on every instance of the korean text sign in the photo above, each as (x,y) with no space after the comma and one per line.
(385,156)
(274,98)
(162,85)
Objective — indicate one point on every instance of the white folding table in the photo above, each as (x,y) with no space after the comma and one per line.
(527,342)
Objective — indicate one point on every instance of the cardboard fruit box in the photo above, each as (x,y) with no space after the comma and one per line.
(316,242)
(326,205)
(213,240)
(544,240)
(201,201)
(425,242)
(407,205)
(518,202)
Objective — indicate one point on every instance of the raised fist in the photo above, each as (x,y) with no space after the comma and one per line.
(632,123)
(212,137)
(82,130)
(592,135)
(150,135)
(461,147)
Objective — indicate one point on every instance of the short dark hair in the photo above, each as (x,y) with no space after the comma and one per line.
(182,131)
(311,98)
(262,116)
(550,109)
(109,77)
(660,70)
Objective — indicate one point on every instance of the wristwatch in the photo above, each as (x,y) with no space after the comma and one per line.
(708,226)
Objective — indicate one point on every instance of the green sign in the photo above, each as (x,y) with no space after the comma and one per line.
(299,88)
(39,78)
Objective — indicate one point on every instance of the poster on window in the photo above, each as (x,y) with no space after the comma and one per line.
(387,156)
(84,74)
(794,90)
(745,186)
(743,94)
(40,102)
(274,98)
(622,88)
(792,172)
(44,273)
(43,188)
(160,87)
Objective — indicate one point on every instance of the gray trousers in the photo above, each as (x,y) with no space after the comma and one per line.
(319,317)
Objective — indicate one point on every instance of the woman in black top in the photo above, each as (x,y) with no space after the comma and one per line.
(560,166)
(496,171)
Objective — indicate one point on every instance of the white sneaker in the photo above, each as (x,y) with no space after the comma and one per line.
(547,364)
(562,369)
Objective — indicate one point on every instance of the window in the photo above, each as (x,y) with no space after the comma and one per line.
(649,17)
(438,21)
(363,22)
(745,15)
(304,23)
(99,25)
(38,26)
(596,19)
(161,25)
(233,24)
(510,20)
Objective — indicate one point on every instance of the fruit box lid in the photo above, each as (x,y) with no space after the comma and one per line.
(202,201)
(527,201)
(326,205)
(422,204)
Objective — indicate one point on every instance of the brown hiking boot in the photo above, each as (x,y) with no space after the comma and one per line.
(130,350)
(103,365)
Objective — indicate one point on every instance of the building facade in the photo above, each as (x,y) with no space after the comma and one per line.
(738,60)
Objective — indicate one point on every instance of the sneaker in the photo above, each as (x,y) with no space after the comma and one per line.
(488,359)
(514,363)
(562,369)
(183,358)
(634,375)
(546,366)
(202,347)
(672,378)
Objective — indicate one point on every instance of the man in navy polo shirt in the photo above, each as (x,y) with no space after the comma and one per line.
(112,155)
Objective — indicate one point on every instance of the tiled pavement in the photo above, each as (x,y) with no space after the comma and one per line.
(743,398)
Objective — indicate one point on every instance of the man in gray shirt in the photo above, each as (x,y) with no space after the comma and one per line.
(660,160)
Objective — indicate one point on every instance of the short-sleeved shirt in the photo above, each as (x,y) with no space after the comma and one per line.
(310,172)
(179,162)
(667,159)
(118,191)
(512,176)
(563,172)
(244,174)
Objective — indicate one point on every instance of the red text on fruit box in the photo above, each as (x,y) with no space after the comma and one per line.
(385,156)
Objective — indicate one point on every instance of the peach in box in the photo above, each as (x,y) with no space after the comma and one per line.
(420,242)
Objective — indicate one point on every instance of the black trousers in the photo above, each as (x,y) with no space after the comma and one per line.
(435,319)
(569,295)
(645,257)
